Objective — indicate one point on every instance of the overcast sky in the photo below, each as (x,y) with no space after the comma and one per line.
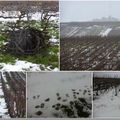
(106,74)
(87,11)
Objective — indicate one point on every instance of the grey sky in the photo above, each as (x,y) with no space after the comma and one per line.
(104,74)
(88,10)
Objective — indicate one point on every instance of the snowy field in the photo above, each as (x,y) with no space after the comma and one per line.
(59,94)
(90,29)
(106,102)
(3,106)
(108,105)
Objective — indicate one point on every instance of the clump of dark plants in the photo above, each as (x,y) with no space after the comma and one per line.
(26,41)
(74,109)
(38,113)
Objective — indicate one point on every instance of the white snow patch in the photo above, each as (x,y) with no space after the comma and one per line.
(55,69)
(90,27)
(25,66)
(106,32)
(5,43)
(53,40)
(20,66)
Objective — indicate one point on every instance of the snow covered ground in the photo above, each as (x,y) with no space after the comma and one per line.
(3,107)
(48,89)
(25,66)
(91,29)
(78,31)
(107,105)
